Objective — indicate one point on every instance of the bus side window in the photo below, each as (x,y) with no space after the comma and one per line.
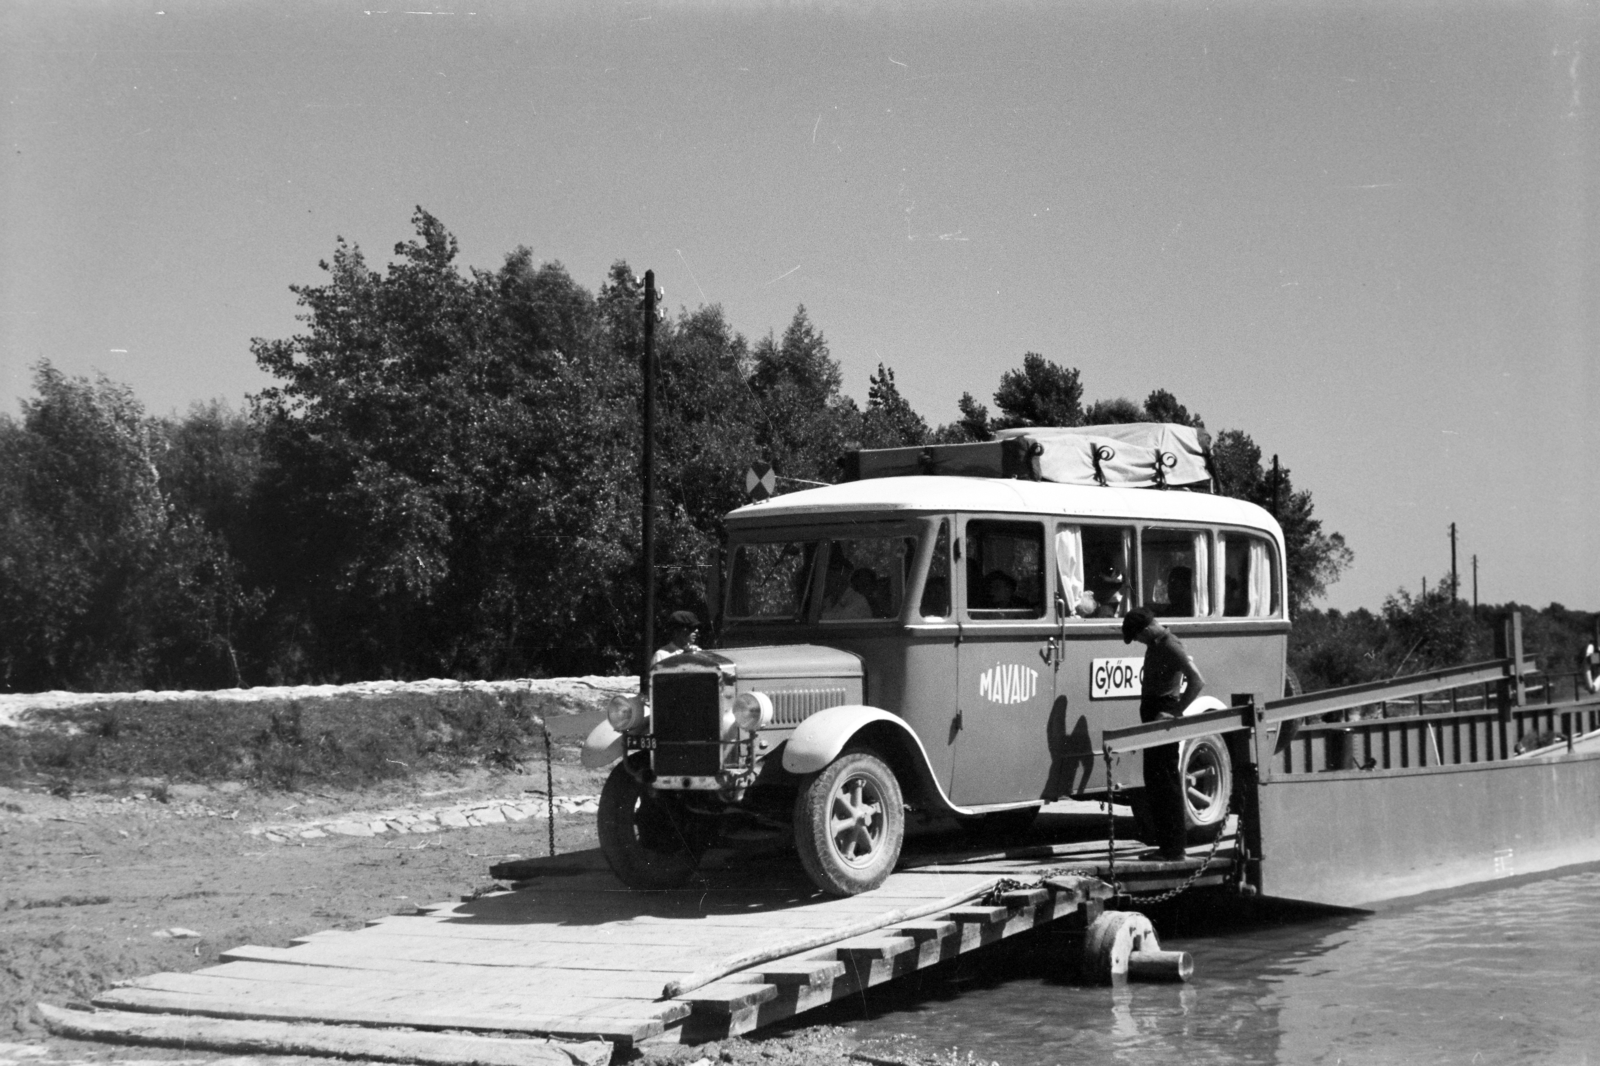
(1005,569)
(1091,570)
(1174,571)
(1249,577)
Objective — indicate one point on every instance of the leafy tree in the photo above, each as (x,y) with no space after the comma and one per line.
(973,425)
(1114,412)
(1314,559)
(445,451)
(1162,406)
(102,584)
(807,424)
(889,420)
(1041,393)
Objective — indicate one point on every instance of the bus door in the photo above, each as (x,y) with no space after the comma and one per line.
(1097,682)
(1005,662)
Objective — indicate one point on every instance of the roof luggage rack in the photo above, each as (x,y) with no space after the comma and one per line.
(1157,455)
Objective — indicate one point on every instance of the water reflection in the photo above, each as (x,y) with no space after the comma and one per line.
(1494,977)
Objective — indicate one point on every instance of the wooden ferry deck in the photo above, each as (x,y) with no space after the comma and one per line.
(569,953)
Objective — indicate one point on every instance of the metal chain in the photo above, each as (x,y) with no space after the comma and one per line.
(1012,884)
(1172,893)
(1112,788)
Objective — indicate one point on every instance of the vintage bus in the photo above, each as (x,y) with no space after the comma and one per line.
(940,633)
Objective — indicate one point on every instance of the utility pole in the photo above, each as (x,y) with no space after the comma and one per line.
(1474,586)
(1424,588)
(1455,582)
(1277,480)
(647,476)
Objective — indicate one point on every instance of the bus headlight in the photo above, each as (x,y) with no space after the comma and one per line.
(625,713)
(752,710)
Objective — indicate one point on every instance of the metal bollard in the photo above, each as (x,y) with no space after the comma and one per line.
(1160,966)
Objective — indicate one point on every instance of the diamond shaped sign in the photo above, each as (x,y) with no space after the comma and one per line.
(760,482)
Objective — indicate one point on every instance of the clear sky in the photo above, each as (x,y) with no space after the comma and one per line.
(1365,233)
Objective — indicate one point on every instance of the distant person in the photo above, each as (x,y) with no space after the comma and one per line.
(1171,683)
(682,628)
(999,591)
(1180,592)
(1235,600)
(1104,597)
(840,601)
(865,581)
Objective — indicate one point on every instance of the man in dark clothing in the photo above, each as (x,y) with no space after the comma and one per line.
(1171,683)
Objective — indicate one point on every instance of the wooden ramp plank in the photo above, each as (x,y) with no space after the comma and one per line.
(281,1038)
(893,952)
(616,1025)
(577,957)
(383,954)
(404,977)
(312,984)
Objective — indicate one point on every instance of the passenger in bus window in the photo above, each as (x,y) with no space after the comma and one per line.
(1180,593)
(936,597)
(1104,597)
(872,589)
(839,600)
(999,591)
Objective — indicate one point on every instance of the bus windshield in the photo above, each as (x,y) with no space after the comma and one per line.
(864,576)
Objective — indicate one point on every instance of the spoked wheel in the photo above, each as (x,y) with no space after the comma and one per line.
(649,840)
(1207,784)
(849,824)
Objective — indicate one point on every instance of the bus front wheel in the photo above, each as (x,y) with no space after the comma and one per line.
(849,824)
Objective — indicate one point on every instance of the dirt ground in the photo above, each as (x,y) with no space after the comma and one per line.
(107,885)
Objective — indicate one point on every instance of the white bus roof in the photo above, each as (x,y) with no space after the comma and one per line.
(917,493)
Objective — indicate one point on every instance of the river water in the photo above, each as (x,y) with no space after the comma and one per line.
(1508,975)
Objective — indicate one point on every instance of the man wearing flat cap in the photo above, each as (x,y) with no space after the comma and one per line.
(1171,683)
(681,629)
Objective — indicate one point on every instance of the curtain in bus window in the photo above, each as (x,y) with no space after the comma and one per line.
(1069,565)
(1260,580)
(1202,575)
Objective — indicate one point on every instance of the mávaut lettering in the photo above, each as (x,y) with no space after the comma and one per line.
(1008,683)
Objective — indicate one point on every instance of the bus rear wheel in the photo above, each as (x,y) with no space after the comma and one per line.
(1207,785)
(849,824)
(1207,775)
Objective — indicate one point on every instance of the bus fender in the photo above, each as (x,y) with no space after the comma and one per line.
(1203,704)
(602,747)
(818,740)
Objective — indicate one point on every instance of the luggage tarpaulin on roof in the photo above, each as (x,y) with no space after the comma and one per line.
(1134,454)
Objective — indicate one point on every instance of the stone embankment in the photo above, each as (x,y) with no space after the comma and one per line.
(552,696)
(289,738)
(420,819)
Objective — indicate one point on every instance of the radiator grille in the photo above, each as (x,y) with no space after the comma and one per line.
(686,718)
(796,705)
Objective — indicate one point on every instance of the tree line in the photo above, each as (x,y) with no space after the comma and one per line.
(442,481)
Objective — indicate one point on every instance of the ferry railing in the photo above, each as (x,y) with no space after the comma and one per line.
(1500,709)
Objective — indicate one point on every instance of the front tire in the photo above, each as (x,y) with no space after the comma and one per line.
(849,824)
(648,840)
